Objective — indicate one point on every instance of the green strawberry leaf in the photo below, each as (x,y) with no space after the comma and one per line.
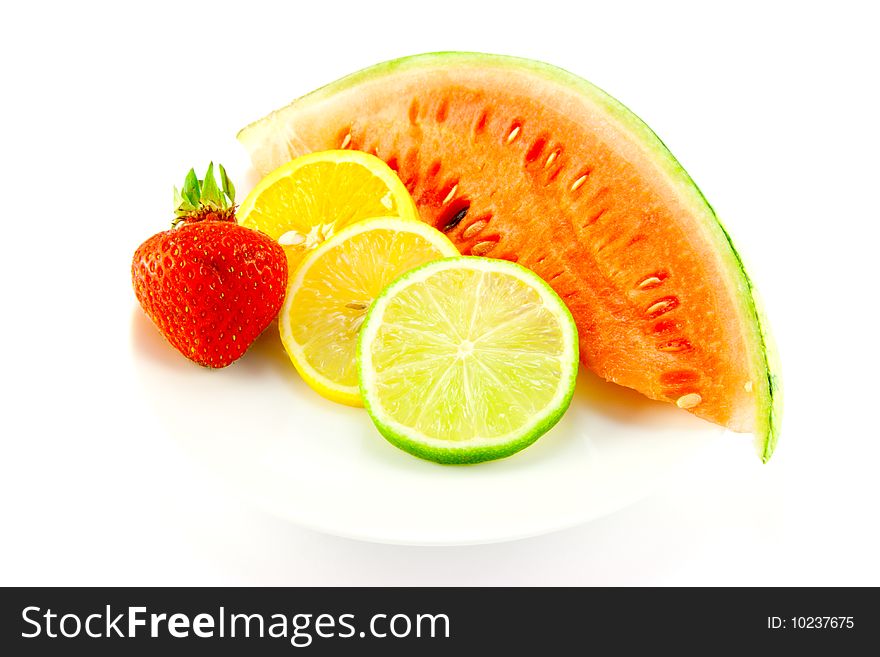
(182,206)
(204,198)
(228,187)
(191,190)
(211,195)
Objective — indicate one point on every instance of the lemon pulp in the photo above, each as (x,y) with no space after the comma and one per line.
(330,293)
(306,201)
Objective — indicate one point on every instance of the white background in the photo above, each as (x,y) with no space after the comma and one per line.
(772,107)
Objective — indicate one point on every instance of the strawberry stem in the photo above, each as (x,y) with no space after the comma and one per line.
(202,200)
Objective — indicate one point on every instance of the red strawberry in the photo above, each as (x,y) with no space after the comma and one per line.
(210,285)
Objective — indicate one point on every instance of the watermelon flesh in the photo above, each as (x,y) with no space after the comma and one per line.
(523,161)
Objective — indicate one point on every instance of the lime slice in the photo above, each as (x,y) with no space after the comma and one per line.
(467,359)
(329,295)
(304,202)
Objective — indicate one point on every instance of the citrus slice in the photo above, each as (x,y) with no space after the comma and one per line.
(330,293)
(302,203)
(467,359)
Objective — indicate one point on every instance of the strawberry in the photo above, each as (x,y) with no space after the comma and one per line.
(210,285)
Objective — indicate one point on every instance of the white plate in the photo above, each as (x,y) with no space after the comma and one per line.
(323,465)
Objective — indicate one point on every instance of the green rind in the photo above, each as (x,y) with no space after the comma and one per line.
(471,455)
(769,416)
(466,455)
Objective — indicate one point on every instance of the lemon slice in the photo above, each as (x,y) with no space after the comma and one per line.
(330,293)
(302,203)
(467,359)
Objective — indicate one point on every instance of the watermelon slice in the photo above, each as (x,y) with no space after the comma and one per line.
(523,161)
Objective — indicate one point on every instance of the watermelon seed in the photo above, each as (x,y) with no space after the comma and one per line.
(474,229)
(748,386)
(482,248)
(652,281)
(662,306)
(514,133)
(345,141)
(457,217)
(451,194)
(551,158)
(580,181)
(688,401)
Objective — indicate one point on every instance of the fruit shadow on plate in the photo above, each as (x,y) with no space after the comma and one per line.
(147,342)
(617,402)
(265,357)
